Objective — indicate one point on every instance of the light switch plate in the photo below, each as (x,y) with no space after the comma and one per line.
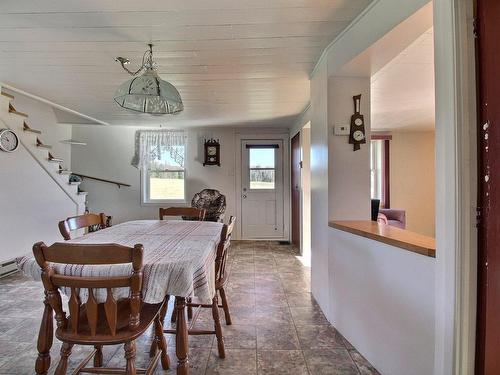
(341,129)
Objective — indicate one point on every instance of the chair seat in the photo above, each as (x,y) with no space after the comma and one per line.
(123,332)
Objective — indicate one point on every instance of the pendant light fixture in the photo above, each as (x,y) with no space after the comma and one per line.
(147,93)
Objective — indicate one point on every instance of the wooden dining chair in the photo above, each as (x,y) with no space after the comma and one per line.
(186,212)
(88,221)
(220,269)
(95,323)
(220,266)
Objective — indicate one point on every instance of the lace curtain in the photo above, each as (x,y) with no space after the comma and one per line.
(160,150)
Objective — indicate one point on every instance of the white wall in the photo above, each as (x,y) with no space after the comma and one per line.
(32,202)
(108,154)
(32,205)
(382,301)
(348,170)
(303,119)
(346,268)
(305,140)
(319,186)
(412,174)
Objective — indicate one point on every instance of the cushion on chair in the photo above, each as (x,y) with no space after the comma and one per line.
(213,202)
(395,217)
(382,219)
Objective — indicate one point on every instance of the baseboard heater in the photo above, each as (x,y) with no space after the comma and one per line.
(8,268)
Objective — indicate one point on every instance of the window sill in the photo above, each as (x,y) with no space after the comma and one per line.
(389,235)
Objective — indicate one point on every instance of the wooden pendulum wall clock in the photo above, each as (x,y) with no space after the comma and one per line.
(212,152)
(357,134)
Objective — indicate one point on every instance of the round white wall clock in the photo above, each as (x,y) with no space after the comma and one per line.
(358,135)
(9,141)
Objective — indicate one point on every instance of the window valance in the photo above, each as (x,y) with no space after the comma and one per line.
(162,150)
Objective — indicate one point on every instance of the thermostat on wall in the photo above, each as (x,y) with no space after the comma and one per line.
(341,129)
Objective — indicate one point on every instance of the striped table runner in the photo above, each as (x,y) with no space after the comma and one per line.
(179,258)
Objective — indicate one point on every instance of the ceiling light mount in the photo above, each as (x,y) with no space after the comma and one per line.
(147,93)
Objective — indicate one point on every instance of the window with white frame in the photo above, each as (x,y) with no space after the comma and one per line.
(379,168)
(376,170)
(161,157)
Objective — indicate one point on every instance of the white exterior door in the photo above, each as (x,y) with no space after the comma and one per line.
(262,189)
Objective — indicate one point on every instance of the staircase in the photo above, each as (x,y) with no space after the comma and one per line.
(32,140)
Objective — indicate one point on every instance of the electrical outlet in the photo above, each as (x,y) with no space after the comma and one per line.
(341,130)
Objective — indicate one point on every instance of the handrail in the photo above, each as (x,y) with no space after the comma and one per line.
(119,184)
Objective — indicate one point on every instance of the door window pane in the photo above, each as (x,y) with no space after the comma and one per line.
(262,179)
(262,158)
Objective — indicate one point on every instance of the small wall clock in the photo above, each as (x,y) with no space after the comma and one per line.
(212,152)
(9,142)
(357,133)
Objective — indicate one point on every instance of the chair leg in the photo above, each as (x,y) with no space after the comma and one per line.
(163,312)
(189,308)
(130,357)
(161,343)
(225,306)
(62,367)
(173,318)
(218,328)
(98,356)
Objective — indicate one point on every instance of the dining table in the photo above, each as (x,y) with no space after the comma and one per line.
(179,260)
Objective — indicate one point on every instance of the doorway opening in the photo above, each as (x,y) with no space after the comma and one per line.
(300,187)
(403,137)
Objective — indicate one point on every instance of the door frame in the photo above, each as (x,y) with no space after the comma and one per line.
(456,187)
(299,134)
(488,218)
(285,137)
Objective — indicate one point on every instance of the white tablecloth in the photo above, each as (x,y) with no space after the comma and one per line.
(179,258)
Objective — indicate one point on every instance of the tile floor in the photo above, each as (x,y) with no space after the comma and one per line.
(277,326)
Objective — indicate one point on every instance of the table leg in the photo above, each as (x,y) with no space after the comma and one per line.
(181,337)
(45,336)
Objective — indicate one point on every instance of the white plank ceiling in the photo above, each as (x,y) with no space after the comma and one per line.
(402,92)
(235,62)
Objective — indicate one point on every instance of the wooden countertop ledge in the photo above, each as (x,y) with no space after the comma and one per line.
(387,234)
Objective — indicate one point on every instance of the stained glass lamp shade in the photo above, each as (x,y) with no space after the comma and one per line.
(148,93)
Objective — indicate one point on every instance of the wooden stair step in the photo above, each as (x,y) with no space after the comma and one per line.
(64,171)
(16,112)
(53,159)
(40,144)
(75,183)
(11,97)
(26,128)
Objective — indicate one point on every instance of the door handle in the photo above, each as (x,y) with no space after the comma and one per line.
(244,196)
